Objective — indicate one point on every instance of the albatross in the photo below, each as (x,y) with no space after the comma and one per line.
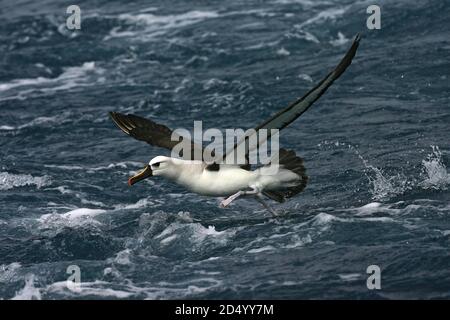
(219,178)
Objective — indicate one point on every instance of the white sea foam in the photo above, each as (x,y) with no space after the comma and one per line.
(68,78)
(72,77)
(196,234)
(121,165)
(323,219)
(82,212)
(306,77)
(7,128)
(302,34)
(42,121)
(160,290)
(283,52)
(350,276)
(74,218)
(376,207)
(341,40)
(10,181)
(142,203)
(328,14)
(79,195)
(201,234)
(308,3)
(9,271)
(29,291)
(96,288)
(123,257)
(155,25)
(262,249)
(169,239)
(64,167)
(298,241)
(378,219)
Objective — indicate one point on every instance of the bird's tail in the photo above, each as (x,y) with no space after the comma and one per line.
(290,161)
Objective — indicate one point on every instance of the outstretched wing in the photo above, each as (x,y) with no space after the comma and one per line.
(153,133)
(284,117)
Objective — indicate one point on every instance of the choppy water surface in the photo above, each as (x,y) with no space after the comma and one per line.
(376,147)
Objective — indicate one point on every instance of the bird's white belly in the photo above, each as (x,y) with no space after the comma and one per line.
(224,182)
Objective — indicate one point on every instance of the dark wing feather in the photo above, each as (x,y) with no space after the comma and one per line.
(284,117)
(151,132)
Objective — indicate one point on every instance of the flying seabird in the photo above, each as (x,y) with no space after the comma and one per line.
(219,178)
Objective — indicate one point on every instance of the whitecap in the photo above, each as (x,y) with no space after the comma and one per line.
(74,218)
(299,241)
(306,77)
(169,239)
(323,219)
(96,288)
(341,40)
(123,257)
(157,25)
(7,128)
(29,291)
(9,181)
(302,34)
(262,249)
(374,207)
(9,271)
(328,14)
(350,276)
(72,77)
(82,212)
(142,203)
(283,52)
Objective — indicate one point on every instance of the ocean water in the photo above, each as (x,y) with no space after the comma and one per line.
(376,148)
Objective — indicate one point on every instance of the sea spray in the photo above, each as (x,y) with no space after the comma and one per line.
(384,186)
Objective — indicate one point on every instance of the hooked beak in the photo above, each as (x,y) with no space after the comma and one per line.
(141,175)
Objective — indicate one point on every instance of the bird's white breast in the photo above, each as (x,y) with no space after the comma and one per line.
(224,182)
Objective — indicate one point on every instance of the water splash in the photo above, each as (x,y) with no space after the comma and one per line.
(436,173)
(29,291)
(384,186)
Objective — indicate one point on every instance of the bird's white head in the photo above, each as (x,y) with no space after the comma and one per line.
(158,166)
(162,166)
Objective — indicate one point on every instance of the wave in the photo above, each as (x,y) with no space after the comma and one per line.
(29,291)
(52,223)
(159,290)
(71,77)
(341,40)
(156,25)
(308,3)
(79,213)
(9,181)
(39,122)
(8,273)
(121,165)
(142,203)
(327,14)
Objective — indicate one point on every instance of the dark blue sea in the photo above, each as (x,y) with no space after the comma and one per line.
(376,148)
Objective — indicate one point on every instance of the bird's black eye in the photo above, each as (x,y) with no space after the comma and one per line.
(156,164)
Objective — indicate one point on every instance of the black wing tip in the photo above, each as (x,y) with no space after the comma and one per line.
(355,43)
(114,115)
(118,118)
